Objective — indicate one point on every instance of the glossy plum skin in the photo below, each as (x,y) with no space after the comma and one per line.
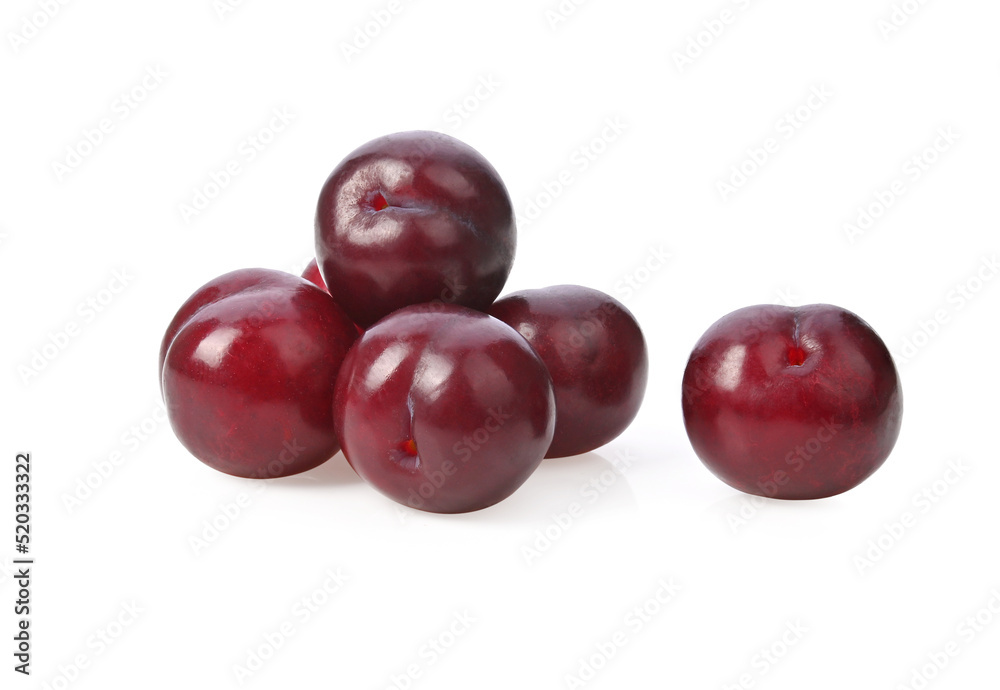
(596,354)
(792,402)
(312,274)
(414,217)
(443,408)
(247,370)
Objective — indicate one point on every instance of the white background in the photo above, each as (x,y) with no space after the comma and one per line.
(791,578)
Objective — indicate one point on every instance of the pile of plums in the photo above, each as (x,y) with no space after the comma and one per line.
(393,347)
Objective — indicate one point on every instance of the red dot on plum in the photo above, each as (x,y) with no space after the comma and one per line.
(796,356)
